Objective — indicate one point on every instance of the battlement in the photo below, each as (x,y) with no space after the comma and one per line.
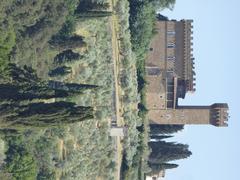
(170,75)
(216,114)
(219,114)
(188,72)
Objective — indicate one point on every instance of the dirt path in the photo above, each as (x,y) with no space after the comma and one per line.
(118,106)
(61,156)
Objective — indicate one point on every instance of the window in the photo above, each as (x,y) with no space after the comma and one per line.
(171,58)
(169,104)
(153,71)
(170,45)
(170,33)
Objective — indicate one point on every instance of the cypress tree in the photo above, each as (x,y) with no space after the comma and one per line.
(167,151)
(94,14)
(157,129)
(159,137)
(156,168)
(16,108)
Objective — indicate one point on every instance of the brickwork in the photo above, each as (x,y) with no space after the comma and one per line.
(170,75)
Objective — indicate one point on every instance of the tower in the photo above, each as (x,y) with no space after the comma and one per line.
(216,114)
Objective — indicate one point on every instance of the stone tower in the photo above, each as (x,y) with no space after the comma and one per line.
(215,114)
(170,75)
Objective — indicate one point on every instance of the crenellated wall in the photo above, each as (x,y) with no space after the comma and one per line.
(170,74)
(216,115)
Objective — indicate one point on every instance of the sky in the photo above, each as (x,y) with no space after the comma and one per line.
(216,37)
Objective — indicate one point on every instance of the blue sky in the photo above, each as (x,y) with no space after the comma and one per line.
(216,151)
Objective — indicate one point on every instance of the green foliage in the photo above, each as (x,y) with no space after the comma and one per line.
(142,18)
(162,4)
(47,38)
(70,87)
(94,14)
(91,9)
(156,168)
(46,175)
(90,151)
(30,102)
(159,137)
(60,71)
(66,56)
(136,148)
(7,42)
(44,146)
(86,6)
(43,114)
(65,43)
(157,129)
(7,39)
(20,162)
(68,27)
(34,25)
(142,21)
(25,85)
(163,152)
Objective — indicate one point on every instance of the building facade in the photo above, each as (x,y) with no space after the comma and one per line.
(170,75)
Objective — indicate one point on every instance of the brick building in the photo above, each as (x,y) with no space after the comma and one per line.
(170,75)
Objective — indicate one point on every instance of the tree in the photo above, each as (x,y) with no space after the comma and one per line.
(43,114)
(65,43)
(156,168)
(60,71)
(20,162)
(45,174)
(70,87)
(162,4)
(159,137)
(94,14)
(7,42)
(16,110)
(157,129)
(167,151)
(86,6)
(23,84)
(29,26)
(66,56)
